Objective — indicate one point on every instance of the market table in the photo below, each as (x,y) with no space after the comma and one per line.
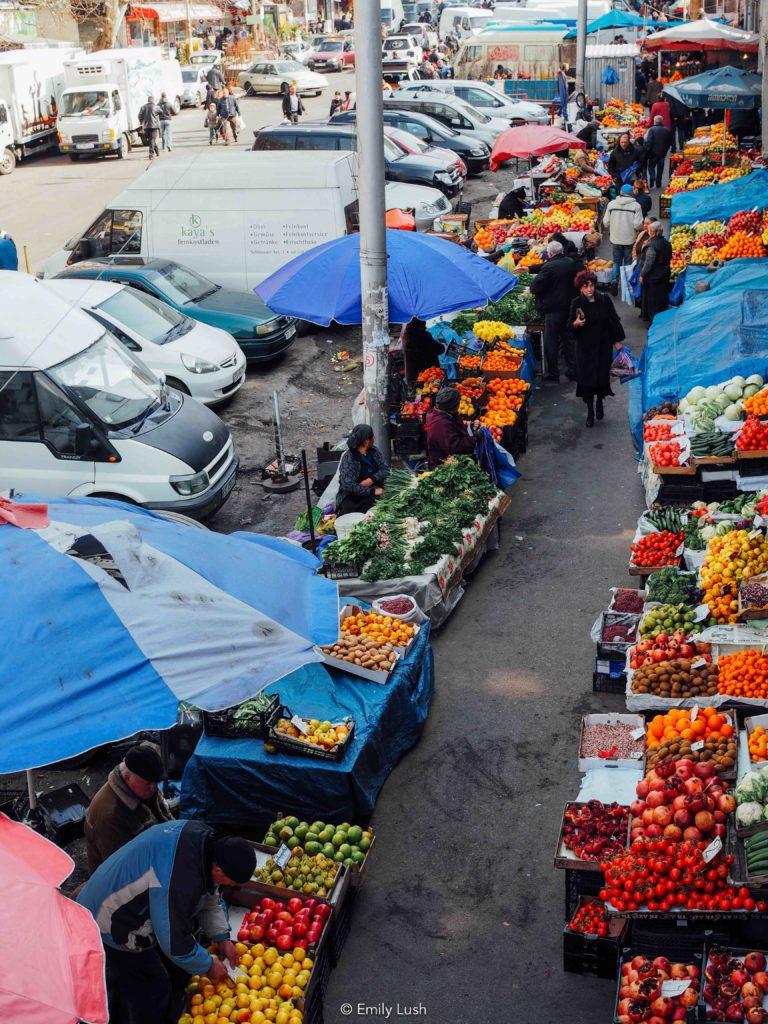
(236,782)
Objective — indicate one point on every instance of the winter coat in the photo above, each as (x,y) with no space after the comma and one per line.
(153,891)
(446,436)
(644,201)
(352,470)
(287,112)
(653,91)
(624,218)
(658,140)
(621,159)
(149,117)
(593,344)
(215,78)
(553,285)
(657,257)
(663,110)
(165,110)
(228,107)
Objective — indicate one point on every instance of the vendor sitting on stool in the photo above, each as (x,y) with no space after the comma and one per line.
(362,472)
(447,434)
(512,204)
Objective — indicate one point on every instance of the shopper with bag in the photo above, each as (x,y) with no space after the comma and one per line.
(597,331)
(623,160)
(228,109)
(655,274)
(623,219)
(658,140)
(149,119)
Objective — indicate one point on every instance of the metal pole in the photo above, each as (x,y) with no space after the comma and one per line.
(581,46)
(308,497)
(31,790)
(764,70)
(279,435)
(373,237)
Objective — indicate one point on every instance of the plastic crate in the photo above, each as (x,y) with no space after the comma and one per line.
(678,939)
(590,954)
(609,676)
(318,985)
(341,926)
(695,958)
(580,883)
(341,571)
(220,723)
(292,746)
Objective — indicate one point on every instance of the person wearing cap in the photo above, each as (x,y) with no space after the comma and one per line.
(658,139)
(346,103)
(151,896)
(447,434)
(128,803)
(623,218)
(362,472)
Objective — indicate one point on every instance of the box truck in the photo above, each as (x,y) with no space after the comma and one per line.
(31,84)
(99,110)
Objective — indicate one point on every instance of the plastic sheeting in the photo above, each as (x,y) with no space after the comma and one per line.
(734,276)
(106,647)
(719,202)
(704,341)
(236,782)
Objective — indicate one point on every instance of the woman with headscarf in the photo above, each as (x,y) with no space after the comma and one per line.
(447,434)
(362,472)
(512,205)
(596,329)
(642,240)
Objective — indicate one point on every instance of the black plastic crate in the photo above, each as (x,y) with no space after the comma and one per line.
(578,884)
(678,939)
(609,676)
(592,954)
(318,985)
(341,925)
(293,746)
(221,723)
(341,571)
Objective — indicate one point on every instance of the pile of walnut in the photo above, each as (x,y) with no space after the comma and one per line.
(363,651)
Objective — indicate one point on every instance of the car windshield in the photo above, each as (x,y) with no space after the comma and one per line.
(189,74)
(391,151)
(182,285)
(329,46)
(397,44)
(471,112)
(288,67)
(117,389)
(78,104)
(146,316)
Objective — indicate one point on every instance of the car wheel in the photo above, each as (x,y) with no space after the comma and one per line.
(199,100)
(177,384)
(318,92)
(7,161)
(176,105)
(124,149)
(249,89)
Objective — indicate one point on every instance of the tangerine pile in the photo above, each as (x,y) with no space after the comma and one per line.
(742,246)
(383,628)
(676,724)
(730,558)
(757,405)
(744,674)
(758,744)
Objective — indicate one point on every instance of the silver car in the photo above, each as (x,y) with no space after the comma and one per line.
(193,81)
(274,76)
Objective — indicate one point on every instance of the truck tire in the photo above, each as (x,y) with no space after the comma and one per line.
(7,161)
(177,105)
(124,149)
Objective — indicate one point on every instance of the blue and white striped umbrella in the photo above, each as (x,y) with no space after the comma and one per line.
(111,615)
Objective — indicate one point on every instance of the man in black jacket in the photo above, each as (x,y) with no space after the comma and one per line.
(228,110)
(657,142)
(622,157)
(293,108)
(149,119)
(554,288)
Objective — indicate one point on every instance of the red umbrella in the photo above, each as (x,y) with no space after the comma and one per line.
(532,140)
(401,220)
(65,983)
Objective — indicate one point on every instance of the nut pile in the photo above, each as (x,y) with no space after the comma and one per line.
(676,678)
(363,651)
(610,740)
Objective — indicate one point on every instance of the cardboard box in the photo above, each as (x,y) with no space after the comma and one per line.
(635,721)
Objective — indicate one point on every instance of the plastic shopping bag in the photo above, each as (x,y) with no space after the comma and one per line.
(624,366)
(609,76)
(240,122)
(627,290)
(495,460)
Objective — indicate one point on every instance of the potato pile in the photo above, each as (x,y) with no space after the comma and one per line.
(675,679)
(721,752)
(363,651)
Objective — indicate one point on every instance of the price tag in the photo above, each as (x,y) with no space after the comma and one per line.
(758,520)
(636,755)
(603,666)
(695,714)
(675,986)
(638,733)
(300,724)
(282,856)
(699,663)
(701,612)
(698,745)
(235,973)
(713,849)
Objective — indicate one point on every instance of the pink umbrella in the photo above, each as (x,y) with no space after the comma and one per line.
(532,140)
(704,34)
(51,957)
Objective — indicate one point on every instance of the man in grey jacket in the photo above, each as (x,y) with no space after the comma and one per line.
(149,119)
(623,218)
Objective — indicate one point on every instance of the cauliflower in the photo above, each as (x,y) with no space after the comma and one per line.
(708,532)
(749,814)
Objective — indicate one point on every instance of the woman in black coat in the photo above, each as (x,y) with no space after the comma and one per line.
(655,272)
(596,329)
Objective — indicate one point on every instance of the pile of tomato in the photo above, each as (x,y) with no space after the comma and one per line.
(753,436)
(590,919)
(657,431)
(657,549)
(666,453)
(663,876)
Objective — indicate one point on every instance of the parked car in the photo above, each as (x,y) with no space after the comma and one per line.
(332,55)
(482,97)
(401,49)
(275,76)
(451,111)
(475,154)
(413,145)
(419,30)
(296,49)
(399,166)
(81,415)
(195,358)
(260,333)
(193,82)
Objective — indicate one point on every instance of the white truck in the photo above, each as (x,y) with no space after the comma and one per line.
(31,83)
(99,110)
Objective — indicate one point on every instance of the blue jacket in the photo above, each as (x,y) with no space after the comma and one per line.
(154,889)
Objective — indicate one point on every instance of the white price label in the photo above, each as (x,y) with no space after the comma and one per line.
(282,856)
(235,973)
(636,755)
(694,714)
(754,533)
(758,520)
(699,663)
(300,724)
(675,986)
(638,733)
(712,850)
(701,612)
(698,745)
(603,666)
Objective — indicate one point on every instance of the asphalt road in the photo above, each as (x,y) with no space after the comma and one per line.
(460,920)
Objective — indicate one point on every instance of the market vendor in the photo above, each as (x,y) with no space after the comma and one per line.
(420,349)
(580,159)
(126,805)
(362,472)
(512,204)
(447,434)
(587,131)
(155,892)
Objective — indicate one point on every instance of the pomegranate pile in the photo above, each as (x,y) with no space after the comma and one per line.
(641,990)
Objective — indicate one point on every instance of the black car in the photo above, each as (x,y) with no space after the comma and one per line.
(413,168)
(473,152)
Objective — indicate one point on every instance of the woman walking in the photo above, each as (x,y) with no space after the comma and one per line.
(596,329)
(655,273)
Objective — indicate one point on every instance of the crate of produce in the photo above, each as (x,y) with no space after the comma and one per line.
(753,597)
(341,570)
(310,737)
(680,939)
(592,941)
(611,740)
(310,918)
(331,879)
(738,974)
(311,1004)
(629,600)
(609,676)
(749,865)
(579,884)
(616,632)
(372,657)
(751,795)
(249,720)
(319,837)
(665,206)
(410,438)
(580,846)
(756,728)
(664,987)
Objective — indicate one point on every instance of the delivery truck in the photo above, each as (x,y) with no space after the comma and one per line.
(99,110)
(31,84)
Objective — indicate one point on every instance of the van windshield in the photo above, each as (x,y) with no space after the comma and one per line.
(146,316)
(182,285)
(79,104)
(471,112)
(116,388)
(189,74)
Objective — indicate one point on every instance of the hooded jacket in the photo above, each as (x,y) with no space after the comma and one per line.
(446,436)
(624,218)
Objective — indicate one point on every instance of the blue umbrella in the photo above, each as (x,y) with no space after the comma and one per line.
(117,614)
(427,276)
(726,88)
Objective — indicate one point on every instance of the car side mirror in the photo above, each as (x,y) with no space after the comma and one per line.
(85,442)
(86,248)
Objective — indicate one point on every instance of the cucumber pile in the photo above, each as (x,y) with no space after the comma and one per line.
(756,850)
(712,443)
(666,518)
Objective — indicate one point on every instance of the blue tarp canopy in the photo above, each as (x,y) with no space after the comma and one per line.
(725,88)
(113,614)
(719,202)
(734,276)
(619,19)
(704,341)
(231,782)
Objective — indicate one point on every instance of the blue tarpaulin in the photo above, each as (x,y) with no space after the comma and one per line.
(236,781)
(734,276)
(112,615)
(719,202)
(706,340)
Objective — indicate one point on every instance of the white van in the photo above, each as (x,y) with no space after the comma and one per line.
(391,14)
(482,96)
(79,415)
(202,361)
(236,217)
(462,21)
(528,51)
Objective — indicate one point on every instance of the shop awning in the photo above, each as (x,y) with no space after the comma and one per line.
(138,13)
(167,12)
(702,35)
